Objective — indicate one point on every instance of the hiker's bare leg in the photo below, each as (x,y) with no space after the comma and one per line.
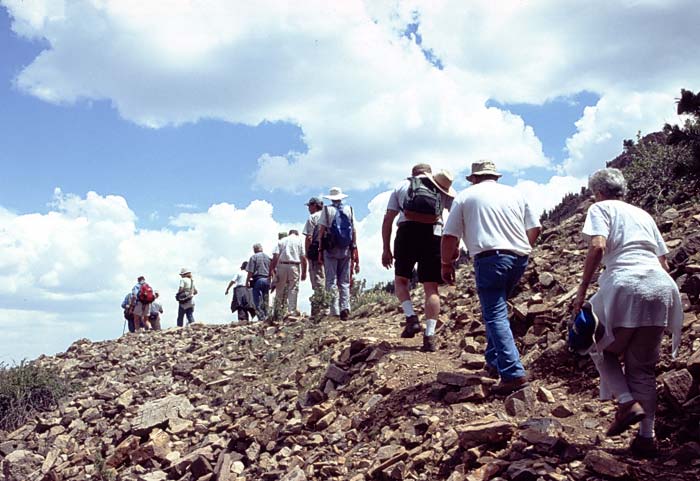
(401,287)
(432,300)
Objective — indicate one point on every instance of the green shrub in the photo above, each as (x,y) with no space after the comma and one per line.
(26,389)
(361,296)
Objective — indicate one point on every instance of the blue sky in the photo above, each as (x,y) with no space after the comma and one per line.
(138,137)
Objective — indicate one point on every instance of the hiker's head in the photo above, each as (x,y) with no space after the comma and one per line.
(443,181)
(293,232)
(419,169)
(257,248)
(607,184)
(185,272)
(244,265)
(156,294)
(281,235)
(335,195)
(314,204)
(483,170)
(141,279)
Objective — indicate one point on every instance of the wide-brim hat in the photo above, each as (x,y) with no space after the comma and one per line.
(584,330)
(315,201)
(184,271)
(443,181)
(485,167)
(335,193)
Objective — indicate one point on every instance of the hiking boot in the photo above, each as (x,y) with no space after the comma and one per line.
(627,414)
(344,314)
(491,371)
(644,447)
(428,344)
(412,327)
(504,388)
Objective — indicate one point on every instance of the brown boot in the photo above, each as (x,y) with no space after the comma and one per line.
(627,414)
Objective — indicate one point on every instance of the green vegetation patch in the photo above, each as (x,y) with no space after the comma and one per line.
(26,389)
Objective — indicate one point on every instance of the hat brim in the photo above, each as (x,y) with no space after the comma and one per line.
(335,197)
(451,192)
(471,177)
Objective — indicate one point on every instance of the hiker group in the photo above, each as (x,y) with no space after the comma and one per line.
(327,253)
(142,309)
(621,325)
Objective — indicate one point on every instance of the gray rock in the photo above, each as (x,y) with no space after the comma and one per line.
(157,413)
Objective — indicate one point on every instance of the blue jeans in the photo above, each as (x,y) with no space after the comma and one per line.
(181,314)
(261,290)
(496,276)
(336,264)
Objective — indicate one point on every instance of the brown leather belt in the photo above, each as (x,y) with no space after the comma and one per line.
(292,263)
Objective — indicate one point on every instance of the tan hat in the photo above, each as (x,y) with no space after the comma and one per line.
(336,193)
(485,167)
(184,271)
(443,181)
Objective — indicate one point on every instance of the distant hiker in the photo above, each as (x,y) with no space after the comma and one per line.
(312,244)
(275,253)
(242,302)
(287,265)
(419,203)
(156,311)
(499,230)
(636,300)
(128,314)
(142,296)
(259,278)
(185,297)
(338,247)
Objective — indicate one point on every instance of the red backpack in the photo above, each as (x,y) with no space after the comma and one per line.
(145,295)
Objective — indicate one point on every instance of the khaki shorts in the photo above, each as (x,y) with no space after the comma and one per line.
(142,309)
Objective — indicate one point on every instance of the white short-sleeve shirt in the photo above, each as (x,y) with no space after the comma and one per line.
(488,216)
(240,278)
(398,197)
(291,248)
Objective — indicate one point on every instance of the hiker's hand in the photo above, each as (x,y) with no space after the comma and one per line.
(357,267)
(578,302)
(448,273)
(387,259)
(303,276)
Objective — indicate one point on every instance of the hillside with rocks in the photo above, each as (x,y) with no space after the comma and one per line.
(331,400)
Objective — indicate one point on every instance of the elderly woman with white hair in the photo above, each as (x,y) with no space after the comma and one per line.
(637,299)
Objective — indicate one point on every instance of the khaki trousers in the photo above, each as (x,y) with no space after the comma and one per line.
(288,282)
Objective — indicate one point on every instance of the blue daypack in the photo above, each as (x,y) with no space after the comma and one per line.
(339,234)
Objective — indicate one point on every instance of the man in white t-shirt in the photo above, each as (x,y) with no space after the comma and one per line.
(499,230)
(286,267)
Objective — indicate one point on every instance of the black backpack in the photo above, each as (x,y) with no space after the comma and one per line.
(312,252)
(423,202)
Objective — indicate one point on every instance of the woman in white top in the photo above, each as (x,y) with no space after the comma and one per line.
(636,301)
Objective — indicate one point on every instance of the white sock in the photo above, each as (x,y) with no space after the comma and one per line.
(625,397)
(408,308)
(430,327)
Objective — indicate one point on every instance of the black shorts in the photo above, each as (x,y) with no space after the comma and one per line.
(416,243)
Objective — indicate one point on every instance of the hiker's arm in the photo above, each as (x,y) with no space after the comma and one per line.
(307,242)
(387,225)
(596,249)
(321,233)
(229,286)
(304,266)
(449,253)
(273,264)
(532,235)
(356,259)
(248,278)
(664,263)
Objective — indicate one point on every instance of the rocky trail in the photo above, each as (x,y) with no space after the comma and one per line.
(331,400)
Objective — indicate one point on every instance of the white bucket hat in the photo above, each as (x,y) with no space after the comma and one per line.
(184,271)
(335,193)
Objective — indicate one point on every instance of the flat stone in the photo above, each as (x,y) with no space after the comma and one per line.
(545,395)
(492,432)
(295,474)
(21,465)
(122,451)
(562,411)
(465,394)
(159,412)
(678,385)
(546,279)
(455,378)
(337,374)
(606,464)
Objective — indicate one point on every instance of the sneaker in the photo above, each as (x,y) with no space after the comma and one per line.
(504,388)
(627,414)
(428,344)
(344,315)
(412,327)
(643,447)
